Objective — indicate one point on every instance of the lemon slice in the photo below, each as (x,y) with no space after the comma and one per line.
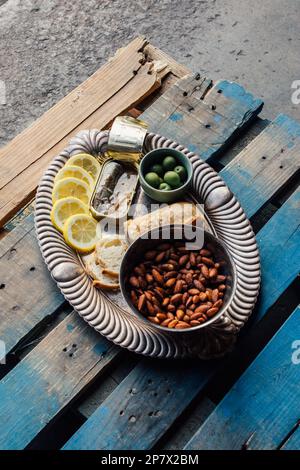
(87,162)
(80,232)
(72,171)
(71,187)
(64,208)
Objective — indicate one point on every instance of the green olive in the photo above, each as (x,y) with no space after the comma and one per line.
(172,179)
(169,163)
(181,171)
(153,179)
(158,169)
(165,187)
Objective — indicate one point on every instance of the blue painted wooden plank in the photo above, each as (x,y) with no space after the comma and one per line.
(263,406)
(279,242)
(201,118)
(22,273)
(265,165)
(138,419)
(293,442)
(53,374)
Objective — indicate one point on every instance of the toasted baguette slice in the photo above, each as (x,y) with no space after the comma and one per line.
(102,278)
(177,213)
(109,253)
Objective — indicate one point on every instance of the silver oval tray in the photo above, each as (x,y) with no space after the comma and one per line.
(105,313)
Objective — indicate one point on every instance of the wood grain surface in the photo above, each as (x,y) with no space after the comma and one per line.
(49,378)
(122,82)
(262,407)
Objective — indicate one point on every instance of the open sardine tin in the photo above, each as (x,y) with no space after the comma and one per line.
(118,179)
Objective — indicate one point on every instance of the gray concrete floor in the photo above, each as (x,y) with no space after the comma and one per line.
(48,47)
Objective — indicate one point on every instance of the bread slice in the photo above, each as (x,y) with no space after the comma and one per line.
(177,213)
(102,278)
(109,253)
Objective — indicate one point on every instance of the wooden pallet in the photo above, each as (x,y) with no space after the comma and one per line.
(66,386)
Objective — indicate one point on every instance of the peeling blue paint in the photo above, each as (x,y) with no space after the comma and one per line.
(70,327)
(217,118)
(236,92)
(193,148)
(205,155)
(100,348)
(175,117)
(289,125)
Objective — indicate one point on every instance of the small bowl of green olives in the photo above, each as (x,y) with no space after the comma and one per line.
(165,174)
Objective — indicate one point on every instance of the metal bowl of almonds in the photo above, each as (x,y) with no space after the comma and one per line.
(178,277)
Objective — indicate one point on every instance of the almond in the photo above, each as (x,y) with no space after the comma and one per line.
(172,323)
(150,308)
(149,255)
(207,261)
(138,271)
(161,316)
(195,323)
(205,252)
(193,259)
(198,284)
(202,308)
(134,281)
(204,271)
(170,274)
(212,273)
(170,282)
(149,278)
(178,287)
(160,257)
(180,314)
(183,260)
(211,312)
(157,276)
(171,308)
(193,291)
(142,301)
(182,325)
(168,267)
(214,295)
(154,320)
(218,304)
(133,296)
(175,299)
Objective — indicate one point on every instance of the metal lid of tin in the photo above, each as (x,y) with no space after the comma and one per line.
(127,137)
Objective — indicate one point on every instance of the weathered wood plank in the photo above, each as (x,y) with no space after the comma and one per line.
(184,381)
(95,397)
(28,294)
(201,116)
(49,378)
(142,407)
(114,88)
(263,406)
(279,242)
(266,164)
(293,442)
